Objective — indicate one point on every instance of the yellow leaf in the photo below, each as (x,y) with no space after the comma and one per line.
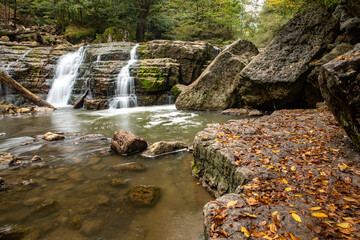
(246,233)
(284,181)
(344,225)
(293,168)
(272,227)
(274,213)
(231,203)
(319,214)
(250,215)
(288,189)
(276,151)
(298,195)
(342,166)
(296,217)
(292,212)
(315,208)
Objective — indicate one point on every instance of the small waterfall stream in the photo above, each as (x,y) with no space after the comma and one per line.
(6,92)
(125,88)
(65,76)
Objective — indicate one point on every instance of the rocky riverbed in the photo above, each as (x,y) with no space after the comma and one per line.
(293,174)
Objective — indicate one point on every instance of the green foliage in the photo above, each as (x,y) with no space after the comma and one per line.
(77,33)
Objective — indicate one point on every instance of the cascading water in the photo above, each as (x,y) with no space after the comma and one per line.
(65,76)
(5,91)
(125,88)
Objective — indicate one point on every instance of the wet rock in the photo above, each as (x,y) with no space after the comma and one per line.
(49,136)
(144,195)
(101,200)
(276,78)
(118,182)
(351,27)
(98,167)
(47,207)
(340,84)
(255,113)
(91,227)
(235,112)
(161,148)
(126,143)
(216,88)
(63,233)
(12,232)
(33,201)
(131,166)
(76,221)
(96,104)
(7,159)
(42,110)
(4,39)
(36,158)
(2,184)
(2,134)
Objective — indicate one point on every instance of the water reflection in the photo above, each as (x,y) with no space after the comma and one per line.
(78,172)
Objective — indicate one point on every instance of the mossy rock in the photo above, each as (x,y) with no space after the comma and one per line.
(114,34)
(76,34)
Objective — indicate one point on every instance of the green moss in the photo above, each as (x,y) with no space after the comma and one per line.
(151,85)
(194,169)
(175,91)
(76,34)
(19,48)
(49,40)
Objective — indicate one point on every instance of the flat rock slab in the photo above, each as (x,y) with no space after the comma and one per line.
(293,173)
(125,143)
(161,148)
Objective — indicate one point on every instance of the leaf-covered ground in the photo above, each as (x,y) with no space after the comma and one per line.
(306,184)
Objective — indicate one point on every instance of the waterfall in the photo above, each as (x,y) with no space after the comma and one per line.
(65,76)
(125,88)
(6,92)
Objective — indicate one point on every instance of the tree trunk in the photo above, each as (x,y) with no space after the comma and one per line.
(143,9)
(15,9)
(14,85)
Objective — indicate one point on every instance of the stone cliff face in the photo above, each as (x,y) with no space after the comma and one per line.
(162,64)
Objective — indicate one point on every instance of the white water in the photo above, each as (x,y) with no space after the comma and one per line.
(65,76)
(125,88)
(5,91)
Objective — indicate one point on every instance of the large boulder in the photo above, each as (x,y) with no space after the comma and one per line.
(340,86)
(126,143)
(216,88)
(276,77)
(192,56)
(162,147)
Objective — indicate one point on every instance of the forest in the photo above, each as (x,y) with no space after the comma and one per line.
(217,21)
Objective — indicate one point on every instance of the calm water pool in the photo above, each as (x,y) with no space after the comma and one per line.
(78,171)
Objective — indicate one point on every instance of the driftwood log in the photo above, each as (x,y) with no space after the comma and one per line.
(80,102)
(8,81)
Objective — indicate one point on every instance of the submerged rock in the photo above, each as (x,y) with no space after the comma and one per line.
(126,143)
(131,166)
(12,232)
(7,159)
(47,207)
(161,148)
(116,182)
(242,112)
(340,86)
(91,227)
(216,88)
(144,195)
(49,136)
(276,78)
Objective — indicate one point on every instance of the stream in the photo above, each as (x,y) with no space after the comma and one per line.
(76,174)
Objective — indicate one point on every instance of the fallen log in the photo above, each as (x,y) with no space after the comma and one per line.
(80,102)
(14,85)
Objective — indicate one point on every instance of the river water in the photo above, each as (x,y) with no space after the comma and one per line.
(77,172)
